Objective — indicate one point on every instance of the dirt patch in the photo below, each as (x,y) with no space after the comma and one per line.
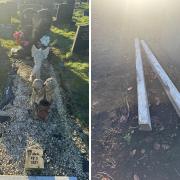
(120,151)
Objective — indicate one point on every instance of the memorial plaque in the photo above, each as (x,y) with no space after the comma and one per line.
(64,13)
(81,41)
(34,158)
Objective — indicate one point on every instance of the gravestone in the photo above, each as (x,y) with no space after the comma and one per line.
(41,24)
(86,12)
(6,30)
(34,158)
(81,41)
(65,13)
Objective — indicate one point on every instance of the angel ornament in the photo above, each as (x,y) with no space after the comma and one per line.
(39,54)
(37,91)
(49,86)
(42,98)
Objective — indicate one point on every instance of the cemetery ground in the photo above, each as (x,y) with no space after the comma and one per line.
(65,137)
(120,151)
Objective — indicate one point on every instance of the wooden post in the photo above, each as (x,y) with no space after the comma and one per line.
(143,105)
(168,85)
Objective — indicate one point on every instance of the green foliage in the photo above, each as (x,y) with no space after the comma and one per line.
(7,43)
(62,38)
(79,17)
(128,137)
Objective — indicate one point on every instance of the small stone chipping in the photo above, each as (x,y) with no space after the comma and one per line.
(61,154)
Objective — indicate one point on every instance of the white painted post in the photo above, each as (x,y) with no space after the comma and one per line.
(168,85)
(143,105)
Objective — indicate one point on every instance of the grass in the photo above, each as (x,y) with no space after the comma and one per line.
(74,80)
(62,38)
(72,69)
(7,43)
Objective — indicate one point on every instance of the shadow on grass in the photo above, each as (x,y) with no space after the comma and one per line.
(74,80)
(62,38)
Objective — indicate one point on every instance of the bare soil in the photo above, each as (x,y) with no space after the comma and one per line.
(119,150)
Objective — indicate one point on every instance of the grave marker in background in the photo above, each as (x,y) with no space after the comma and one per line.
(81,41)
(65,13)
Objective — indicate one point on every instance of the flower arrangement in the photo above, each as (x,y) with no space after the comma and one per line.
(19,36)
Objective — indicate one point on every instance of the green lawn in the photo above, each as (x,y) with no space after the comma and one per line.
(72,69)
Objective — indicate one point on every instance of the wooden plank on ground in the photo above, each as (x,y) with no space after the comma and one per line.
(143,105)
(36,178)
(168,85)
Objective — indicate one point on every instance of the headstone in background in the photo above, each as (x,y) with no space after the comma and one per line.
(41,24)
(86,12)
(81,41)
(34,158)
(64,14)
(6,30)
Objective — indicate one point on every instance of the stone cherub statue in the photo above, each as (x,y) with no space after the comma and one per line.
(42,97)
(39,54)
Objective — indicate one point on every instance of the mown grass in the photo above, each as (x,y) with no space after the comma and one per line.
(8,43)
(62,38)
(73,68)
(74,80)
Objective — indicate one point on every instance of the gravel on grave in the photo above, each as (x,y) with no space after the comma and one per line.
(59,137)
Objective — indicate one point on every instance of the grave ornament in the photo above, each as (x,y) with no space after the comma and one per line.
(39,55)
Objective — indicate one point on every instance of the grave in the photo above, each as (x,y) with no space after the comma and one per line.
(81,41)
(64,13)
(34,158)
